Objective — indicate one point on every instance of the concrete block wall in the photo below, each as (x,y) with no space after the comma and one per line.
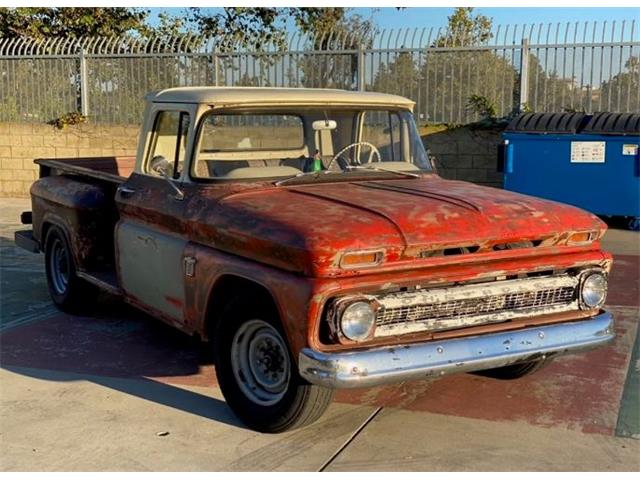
(465,153)
(21,143)
(462,153)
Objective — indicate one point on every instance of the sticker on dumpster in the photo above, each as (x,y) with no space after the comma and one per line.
(587,152)
(629,149)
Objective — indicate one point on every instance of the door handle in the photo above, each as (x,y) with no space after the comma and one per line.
(126,191)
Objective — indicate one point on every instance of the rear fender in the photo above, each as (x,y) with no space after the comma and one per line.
(85,211)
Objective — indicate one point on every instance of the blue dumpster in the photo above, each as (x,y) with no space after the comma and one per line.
(590,161)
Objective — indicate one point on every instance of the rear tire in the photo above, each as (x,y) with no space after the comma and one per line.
(68,292)
(257,373)
(519,370)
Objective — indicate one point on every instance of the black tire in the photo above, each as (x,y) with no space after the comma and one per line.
(301,403)
(518,370)
(68,292)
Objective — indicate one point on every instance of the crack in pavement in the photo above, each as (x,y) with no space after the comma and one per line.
(351,438)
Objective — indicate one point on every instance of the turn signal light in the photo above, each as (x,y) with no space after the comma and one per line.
(361,259)
(582,238)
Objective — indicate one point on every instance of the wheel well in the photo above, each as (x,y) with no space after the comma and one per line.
(46,226)
(43,233)
(230,288)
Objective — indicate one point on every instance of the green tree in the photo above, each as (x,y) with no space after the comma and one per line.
(256,28)
(465,29)
(42,22)
(399,76)
(117,84)
(442,80)
(338,30)
(622,92)
(549,92)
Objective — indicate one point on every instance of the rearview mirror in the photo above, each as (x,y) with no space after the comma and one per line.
(324,125)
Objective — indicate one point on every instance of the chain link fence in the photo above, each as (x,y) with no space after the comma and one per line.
(544,67)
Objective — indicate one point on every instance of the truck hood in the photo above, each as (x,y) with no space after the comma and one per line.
(308,228)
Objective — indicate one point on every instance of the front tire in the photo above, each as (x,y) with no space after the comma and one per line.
(68,292)
(513,372)
(257,374)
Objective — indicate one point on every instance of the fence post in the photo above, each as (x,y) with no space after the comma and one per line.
(216,68)
(524,75)
(84,104)
(361,60)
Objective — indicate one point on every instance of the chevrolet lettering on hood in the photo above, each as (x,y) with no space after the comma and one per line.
(307,237)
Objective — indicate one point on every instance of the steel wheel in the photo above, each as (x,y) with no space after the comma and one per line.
(260,362)
(59,266)
(70,293)
(256,371)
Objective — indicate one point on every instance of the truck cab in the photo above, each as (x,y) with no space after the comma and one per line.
(307,236)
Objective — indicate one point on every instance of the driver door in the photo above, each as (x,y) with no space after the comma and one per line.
(151,234)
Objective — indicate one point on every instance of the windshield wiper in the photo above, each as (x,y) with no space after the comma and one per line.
(378,169)
(317,174)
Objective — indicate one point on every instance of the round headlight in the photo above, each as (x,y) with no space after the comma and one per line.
(594,290)
(357,321)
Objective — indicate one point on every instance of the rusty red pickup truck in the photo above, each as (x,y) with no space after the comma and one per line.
(306,235)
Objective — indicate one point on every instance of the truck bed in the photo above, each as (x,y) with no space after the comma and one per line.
(81,192)
(110,169)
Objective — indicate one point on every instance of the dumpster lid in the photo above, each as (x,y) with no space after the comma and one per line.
(546,123)
(607,123)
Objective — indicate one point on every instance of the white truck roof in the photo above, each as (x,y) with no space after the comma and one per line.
(224,97)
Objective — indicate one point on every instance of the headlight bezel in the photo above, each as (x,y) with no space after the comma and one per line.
(584,277)
(337,311)
(369,325)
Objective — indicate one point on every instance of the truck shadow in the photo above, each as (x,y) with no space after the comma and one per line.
(146,389)
(118,348)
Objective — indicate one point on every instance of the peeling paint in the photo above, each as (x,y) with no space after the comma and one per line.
(287,239)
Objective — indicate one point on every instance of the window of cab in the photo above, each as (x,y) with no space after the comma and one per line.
(166,154)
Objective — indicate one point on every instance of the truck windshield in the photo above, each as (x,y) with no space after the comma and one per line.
(256,145)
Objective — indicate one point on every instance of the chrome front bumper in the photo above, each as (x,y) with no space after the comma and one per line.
(366,368)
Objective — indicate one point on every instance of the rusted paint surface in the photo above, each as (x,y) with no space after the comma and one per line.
(109,169)
(305,229)
(84,210)
(290,239)
(290,292)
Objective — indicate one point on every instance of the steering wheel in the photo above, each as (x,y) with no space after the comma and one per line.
(357,144)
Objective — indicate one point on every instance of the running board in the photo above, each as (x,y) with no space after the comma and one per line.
(104,281)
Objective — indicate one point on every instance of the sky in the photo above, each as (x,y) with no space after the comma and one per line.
(437,16)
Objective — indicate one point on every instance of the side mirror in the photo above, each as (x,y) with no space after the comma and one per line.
(160,166)
(179,193)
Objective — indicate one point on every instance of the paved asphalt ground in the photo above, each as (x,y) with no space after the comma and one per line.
(93,393)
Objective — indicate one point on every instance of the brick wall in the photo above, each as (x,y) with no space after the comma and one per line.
(21,143)
(461,153)
(465,153)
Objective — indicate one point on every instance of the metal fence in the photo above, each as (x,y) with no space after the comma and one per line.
(543,67)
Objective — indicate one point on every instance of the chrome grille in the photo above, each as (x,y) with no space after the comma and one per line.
(459,309)
(459,306)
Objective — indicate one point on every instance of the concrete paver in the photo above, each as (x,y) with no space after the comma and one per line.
(401,440)
(62,421)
